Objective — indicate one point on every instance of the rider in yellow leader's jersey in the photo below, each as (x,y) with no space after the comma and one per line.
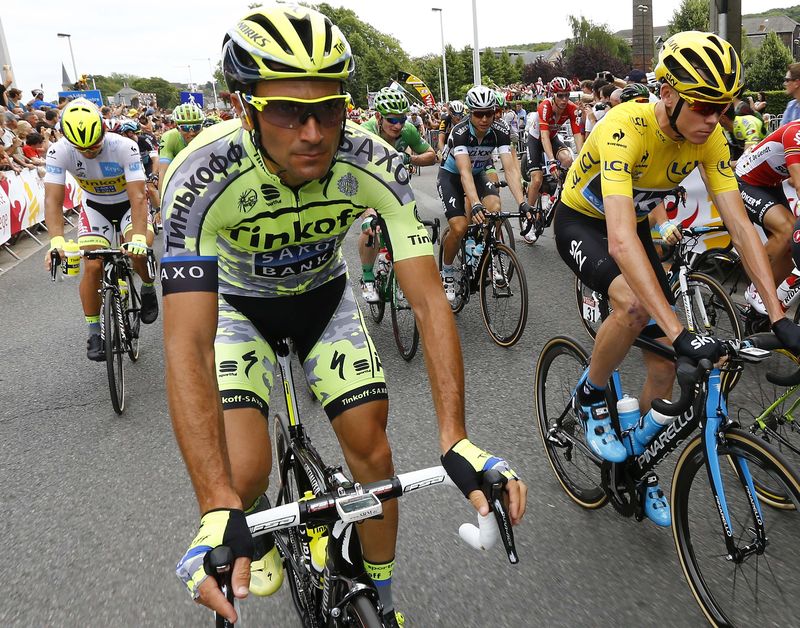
(257,211)
(626,167)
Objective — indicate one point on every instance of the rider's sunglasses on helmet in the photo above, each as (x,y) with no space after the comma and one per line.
(191,128)
(483,113)
(706,109)
(291,113)
(396,120)
(562,95)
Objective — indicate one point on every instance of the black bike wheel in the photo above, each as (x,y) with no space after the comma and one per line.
(762,589)
(504,295)
(360,612)
(299,472)
(593,307)
(376,310)
(404,324)
(462,285)
(560,366)
(133,321)
(767,410)
(112,319)
(504,233)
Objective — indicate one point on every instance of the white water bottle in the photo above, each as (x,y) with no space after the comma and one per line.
(469,248)
(628,413)
(650,425)
(383,264)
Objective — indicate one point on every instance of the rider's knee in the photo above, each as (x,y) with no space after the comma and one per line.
(632,311)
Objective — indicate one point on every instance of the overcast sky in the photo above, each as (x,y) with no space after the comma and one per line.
(175,40)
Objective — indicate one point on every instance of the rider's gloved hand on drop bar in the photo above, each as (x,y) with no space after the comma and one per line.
(466,463)
(697,347)
(478,209)
(221,526)
(788,333)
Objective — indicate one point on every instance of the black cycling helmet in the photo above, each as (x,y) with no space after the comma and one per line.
(635,91)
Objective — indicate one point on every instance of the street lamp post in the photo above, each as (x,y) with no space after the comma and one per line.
(444,60)
(642,8)
(476,57)
(71,54)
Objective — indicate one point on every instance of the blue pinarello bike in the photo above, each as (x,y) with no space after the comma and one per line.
(739,558)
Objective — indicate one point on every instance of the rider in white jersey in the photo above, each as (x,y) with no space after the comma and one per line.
(108,168)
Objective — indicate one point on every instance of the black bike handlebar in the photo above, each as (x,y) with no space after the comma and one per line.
(688,374)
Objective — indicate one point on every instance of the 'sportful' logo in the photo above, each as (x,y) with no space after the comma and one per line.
(617,137)
(347,184)
(269,192)
(247,200)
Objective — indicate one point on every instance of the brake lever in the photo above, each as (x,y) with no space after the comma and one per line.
(493,484)
(220,562)
(55,262)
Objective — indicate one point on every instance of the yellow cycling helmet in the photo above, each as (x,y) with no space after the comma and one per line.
(701,66)
(81,123)
(285,42)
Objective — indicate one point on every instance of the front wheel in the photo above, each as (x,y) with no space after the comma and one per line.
(133,321)
(504,295)
(112,320)
(504,233)
(377,309)
(560,366)
(755,584)
(360,612)
(404,324)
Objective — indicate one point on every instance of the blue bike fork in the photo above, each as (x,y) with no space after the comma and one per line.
(716,412)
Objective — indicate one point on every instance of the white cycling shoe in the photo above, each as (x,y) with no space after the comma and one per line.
(752,297)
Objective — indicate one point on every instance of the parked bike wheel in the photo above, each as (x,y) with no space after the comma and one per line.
(462,283)
(404,324)
(360,612)
(767,410)
(114,349)
(560,366)
(297,475)
(752,586)
(504,295)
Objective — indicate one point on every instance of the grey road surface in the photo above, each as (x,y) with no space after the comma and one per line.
(97,508)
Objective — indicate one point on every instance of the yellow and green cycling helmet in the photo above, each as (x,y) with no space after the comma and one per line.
(285,42)
(390,101)
(81,123)
(701,67)
(188,113)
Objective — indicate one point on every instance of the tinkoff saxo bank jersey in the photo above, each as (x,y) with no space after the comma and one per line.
(232,226)
(629,155)
(104,179)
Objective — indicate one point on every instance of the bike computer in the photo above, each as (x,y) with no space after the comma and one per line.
(358,507)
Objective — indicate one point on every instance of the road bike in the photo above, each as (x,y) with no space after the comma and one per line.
(494,271)
(552,185)
(404,324)
(702,304)
(120,313)
(314,516)
(738,558)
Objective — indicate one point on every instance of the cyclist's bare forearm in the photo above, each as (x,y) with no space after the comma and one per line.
(190,322)
(629,254)
(751,250)
(137,195)
(512,175)
(54,209)
(467,181)
(425,159)
(422,287)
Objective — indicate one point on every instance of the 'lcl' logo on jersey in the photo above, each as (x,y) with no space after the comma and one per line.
(677,173)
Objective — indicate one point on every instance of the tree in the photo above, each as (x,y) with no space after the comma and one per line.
(488,66)
(519,68)
(379,57)
(544,69)
(692,15)
(587,34)
(769,65)
(504,71)
(166,93)
(585,62)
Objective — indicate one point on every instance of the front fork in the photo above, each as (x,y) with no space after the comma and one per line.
(713,435)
